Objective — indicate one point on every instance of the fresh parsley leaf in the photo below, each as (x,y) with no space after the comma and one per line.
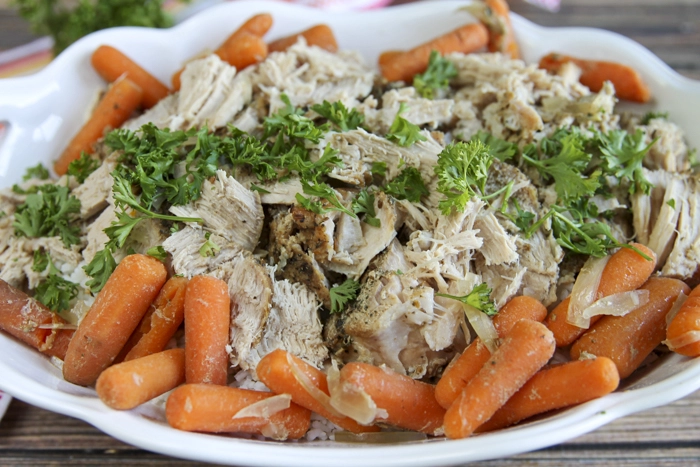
(566,164)
(524,219)
(292,123)
(499,148)
(254,187)
(38,171)
(209,248)
(407,185)
(56,292)
(339,115)
(671,202)
(403,132)
(378,168)
(479,298)
(100,268)
(158,252)
(623,154)
(49,212)
(41,260)
(364,203)
(649,116)
(314,206)
(462,169)
(81,168)
(323,190)
(438,75)
(342,294)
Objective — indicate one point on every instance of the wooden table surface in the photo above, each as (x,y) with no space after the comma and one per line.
(664,436)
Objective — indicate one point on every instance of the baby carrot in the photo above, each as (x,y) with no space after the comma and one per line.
(207,321)
(404,67)
(258,25)
(117,310)
(320,35)
(164,317)
(116,106)
(248,49)
(212,409)
(526,349)
(466,366)
(21,316)
(685,322)
(110,63)
(556,388)
(408,403)
(628,84)
(628,340)
(275,370)
(130,384)
(626,270)
(495,15)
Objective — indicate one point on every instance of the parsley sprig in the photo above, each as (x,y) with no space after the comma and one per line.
(342,294)
(436,77)
(55,292)
(479,298)
(364,203)
(403,132)
(339,115)
(407,185)
(47,212)
(462,171)
(82,167)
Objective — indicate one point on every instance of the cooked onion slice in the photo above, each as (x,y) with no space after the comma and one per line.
(308,385)
(483,326)
(690,337)
(266,407)
(351,401)
(618,304)
(676,308)
(585,291)
(274,431)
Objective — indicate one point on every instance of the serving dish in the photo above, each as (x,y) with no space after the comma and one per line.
(43,111)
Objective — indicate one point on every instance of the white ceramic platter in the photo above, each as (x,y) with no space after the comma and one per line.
(45,110)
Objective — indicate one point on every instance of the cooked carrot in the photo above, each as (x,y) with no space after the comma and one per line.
(686,324)
(594,73)
(527,348)
(628,340)
(556,388)
(117,310)
(21,316)
(130,384)
(258,26)
(463,368)
(248,49)
(495,15)
(116,106)
(408,403)
(212,409)
(158,326)
(275,370)
(626,270)
(111,64)
(404,67)
(207,321)
(389,55)
(320,35)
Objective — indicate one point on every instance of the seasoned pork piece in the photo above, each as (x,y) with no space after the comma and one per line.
(278,192)
(684,258)
(191,257)
(499,246)
(160,115)
(14,260)
(96,237)
(228,209)
(96,189)
(418,110)
(670,151)
(310,75)
(293,324)
(250,288)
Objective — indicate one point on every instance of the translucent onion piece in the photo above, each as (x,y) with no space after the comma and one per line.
(68,326)
(618,304)
(676,308)
(274,431)
(308,385)
(483,326)
(382,437)
(585,291)
(690,337)
(266,407)
(351,401)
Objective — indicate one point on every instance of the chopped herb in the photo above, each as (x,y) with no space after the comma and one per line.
(339,115)
(407,185)
(403,132)
(379,169)
(479,298)
(436,77)
(209,248)
(254,187)
(38,171)
(323,190)
(292,123)
(649,116)
(462,169)
(158,252)
(100,268)
(671,202)
(47,213)
(364,203)
(499,148)
(399,272)
(82,168)
(342,294)
(623,154)
(41,260)
(56,292)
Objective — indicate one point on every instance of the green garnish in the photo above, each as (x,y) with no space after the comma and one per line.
(342,294)
(479,298)
(407,185)
(49,212)
(339,115)
(462,170)
(82,168)
(364,203)
(438,75)
(403,132)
